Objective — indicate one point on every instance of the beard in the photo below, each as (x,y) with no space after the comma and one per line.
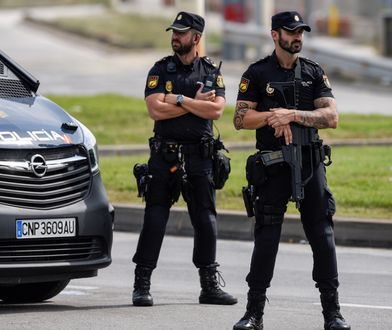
(292,48)
(181,49)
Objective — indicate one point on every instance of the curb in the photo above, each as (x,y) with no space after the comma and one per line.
(374,233)
(137,149)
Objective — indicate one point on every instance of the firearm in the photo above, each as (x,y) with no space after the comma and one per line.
(248,195)
(302,137)
(210,80)
(141,173)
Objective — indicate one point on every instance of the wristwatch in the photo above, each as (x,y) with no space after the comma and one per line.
(180,100)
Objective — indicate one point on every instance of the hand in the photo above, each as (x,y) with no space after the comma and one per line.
(285,131)
(280,116)
(208,96)
(171,98)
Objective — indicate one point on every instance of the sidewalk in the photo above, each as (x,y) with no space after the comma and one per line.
(375,233)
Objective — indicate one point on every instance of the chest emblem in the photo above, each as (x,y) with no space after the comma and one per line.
(219,81)
(152,81)
(244,85)
(326,81)
(169,86)
(269,89)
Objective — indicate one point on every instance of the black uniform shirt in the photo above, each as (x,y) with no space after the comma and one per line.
(169,75)
(254,87)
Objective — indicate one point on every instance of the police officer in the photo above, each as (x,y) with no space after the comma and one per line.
(257,109)
(181,158)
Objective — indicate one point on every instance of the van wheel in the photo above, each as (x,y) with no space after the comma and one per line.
(31,292)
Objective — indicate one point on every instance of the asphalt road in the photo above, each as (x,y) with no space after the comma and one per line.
(68,65)
(104,302)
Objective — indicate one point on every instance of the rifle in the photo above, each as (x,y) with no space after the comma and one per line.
(303,137)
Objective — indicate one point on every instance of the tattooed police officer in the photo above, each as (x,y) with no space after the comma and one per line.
(181,158)
(260,107)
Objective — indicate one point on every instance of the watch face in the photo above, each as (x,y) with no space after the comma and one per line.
(179,99)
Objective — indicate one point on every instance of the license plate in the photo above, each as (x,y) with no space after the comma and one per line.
(43,228)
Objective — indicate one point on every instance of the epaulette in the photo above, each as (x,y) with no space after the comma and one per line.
(163,59)
(209,61)
(261,60)
(305,59)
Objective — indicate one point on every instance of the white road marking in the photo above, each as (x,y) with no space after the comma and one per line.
(362,306)
(82,287)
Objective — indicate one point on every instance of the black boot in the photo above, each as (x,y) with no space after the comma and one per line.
(333,320)
(253,318)
(141,294)
(211,293)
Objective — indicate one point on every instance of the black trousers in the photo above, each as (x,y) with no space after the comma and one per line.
(200,199)
(316,210)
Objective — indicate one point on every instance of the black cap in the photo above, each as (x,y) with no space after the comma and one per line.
(185,21)
(289,20)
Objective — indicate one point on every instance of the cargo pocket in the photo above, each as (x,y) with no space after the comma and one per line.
(331,204)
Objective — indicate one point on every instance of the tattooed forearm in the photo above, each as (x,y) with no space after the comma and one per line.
(324,116)
(240,111)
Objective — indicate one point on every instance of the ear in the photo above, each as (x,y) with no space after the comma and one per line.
(274,35)
(196,38)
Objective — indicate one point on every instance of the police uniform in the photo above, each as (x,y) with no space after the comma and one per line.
(273,86)
(181,162)
(318,206)
(190,132)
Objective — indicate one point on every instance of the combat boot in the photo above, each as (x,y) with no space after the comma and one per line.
(211,293)
(253,318)
(333,320)
(141,293)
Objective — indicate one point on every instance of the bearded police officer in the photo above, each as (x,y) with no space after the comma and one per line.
(181,157)
(261,106)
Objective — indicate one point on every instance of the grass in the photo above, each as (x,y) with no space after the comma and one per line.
(360,178)
(116,119)
(30,3)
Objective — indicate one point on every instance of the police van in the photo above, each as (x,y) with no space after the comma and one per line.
(56,222)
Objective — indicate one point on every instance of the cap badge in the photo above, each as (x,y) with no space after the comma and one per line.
(179,17)
(296,18)
(269,89)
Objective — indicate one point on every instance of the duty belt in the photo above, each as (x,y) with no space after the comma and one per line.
(204,147)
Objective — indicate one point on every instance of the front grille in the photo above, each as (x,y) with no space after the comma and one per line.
(10,88)
(67,182)
(51,250)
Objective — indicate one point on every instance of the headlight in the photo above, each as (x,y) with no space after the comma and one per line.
(91,144)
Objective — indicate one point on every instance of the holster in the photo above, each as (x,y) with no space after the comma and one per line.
(247,195)
(143,178)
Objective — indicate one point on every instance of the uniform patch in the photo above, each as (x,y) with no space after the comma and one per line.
(269,89)
(244,85)
(169,86)
(219,81)
(326,81)
(152,81)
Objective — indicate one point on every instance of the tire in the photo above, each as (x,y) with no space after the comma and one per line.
(31,292)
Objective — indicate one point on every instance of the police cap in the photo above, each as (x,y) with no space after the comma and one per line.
(185,21)
(289,20)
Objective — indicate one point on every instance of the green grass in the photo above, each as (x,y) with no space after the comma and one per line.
(121,30)
(360,178)
(116,119)
(30,3)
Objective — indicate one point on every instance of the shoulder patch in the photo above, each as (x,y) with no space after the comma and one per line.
(208,61)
